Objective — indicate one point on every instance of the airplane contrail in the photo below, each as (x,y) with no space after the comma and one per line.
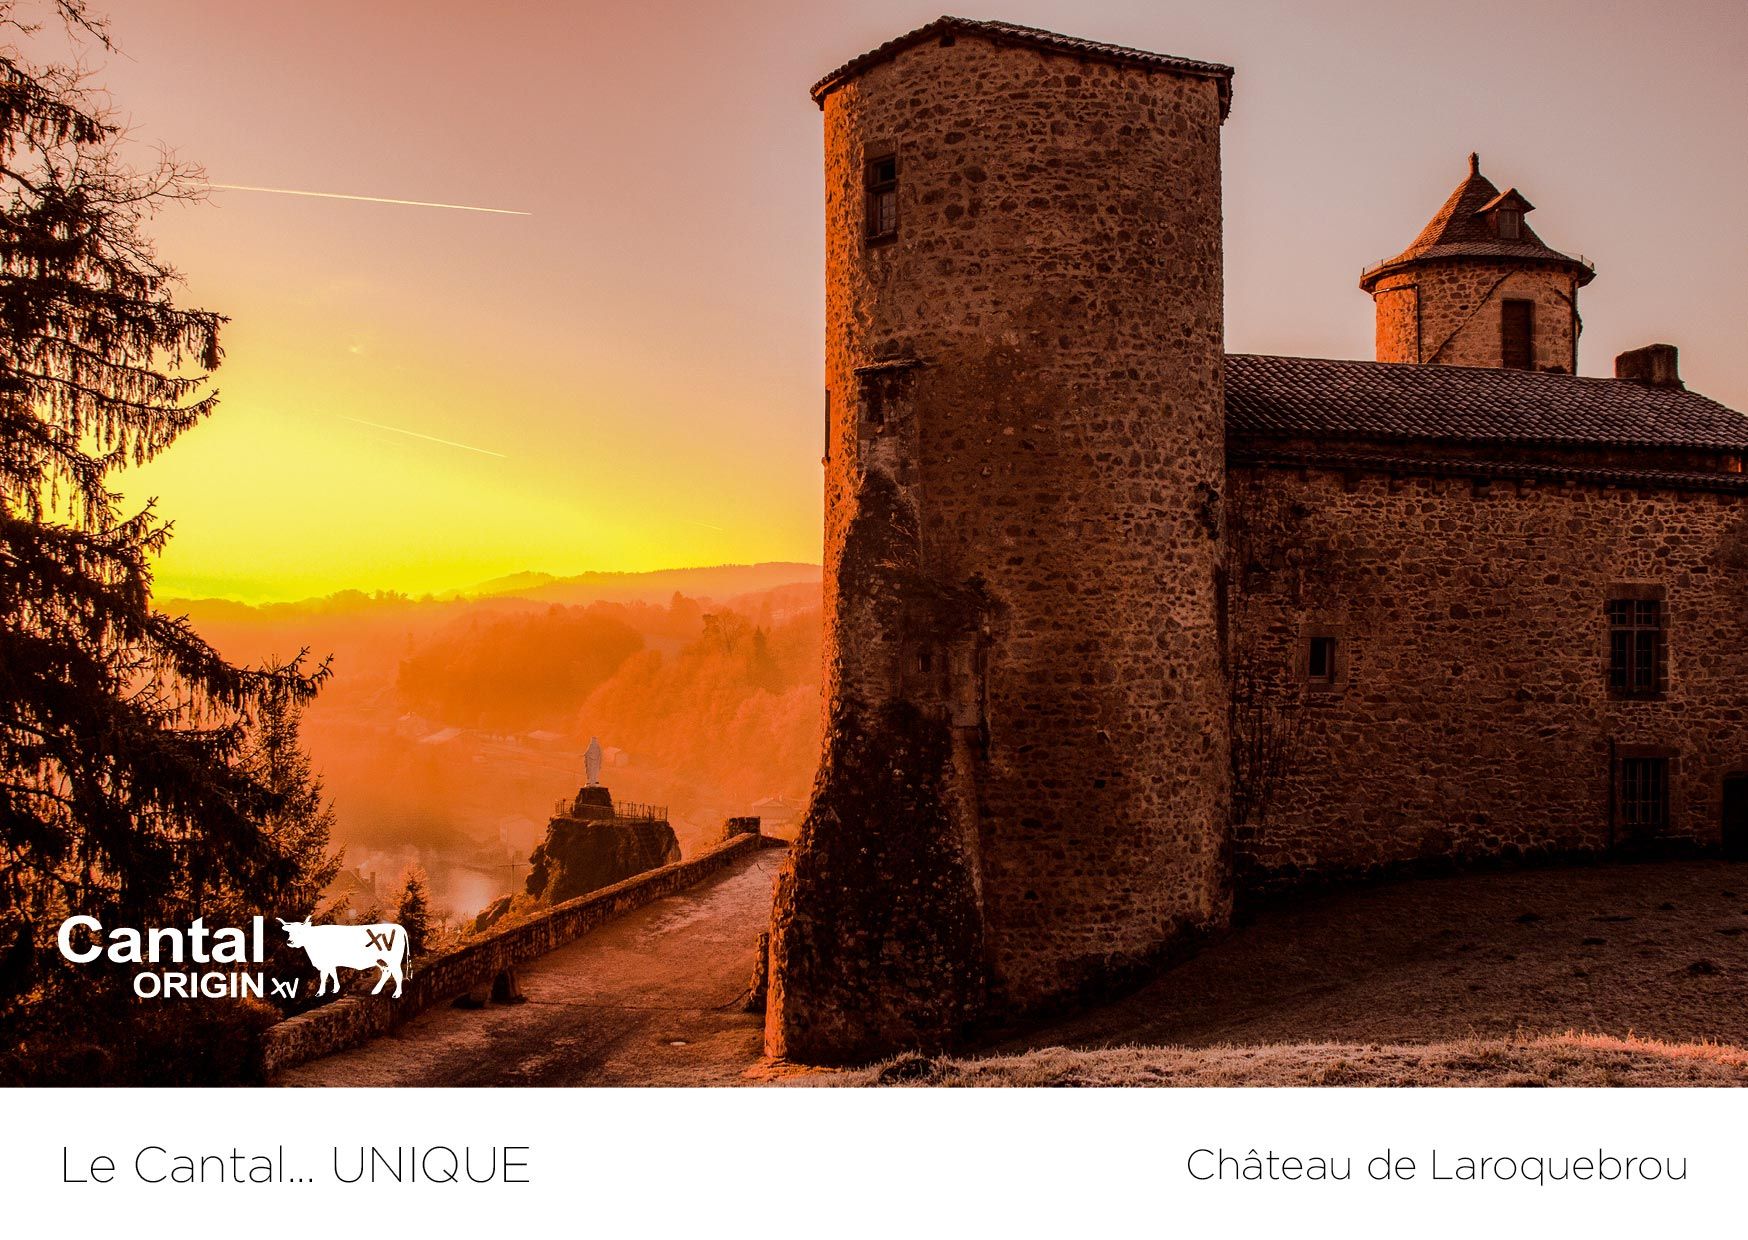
(397,202)
(448,443)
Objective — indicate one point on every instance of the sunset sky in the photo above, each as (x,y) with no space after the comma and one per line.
(628,376)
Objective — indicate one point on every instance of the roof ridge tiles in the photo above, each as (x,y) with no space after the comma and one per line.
(1001,32)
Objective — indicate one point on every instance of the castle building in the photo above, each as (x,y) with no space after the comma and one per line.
(1119,626)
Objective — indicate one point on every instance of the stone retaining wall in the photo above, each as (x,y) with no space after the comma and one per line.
(357,1018)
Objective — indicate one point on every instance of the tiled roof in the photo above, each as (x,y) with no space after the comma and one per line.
(1317,398)
(1008,34)
(1458,230)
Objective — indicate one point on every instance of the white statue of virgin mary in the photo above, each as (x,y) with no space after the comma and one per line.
(592,763)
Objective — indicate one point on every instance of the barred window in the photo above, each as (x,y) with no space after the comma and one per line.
(1644,795)
(881,182)
(1635,646)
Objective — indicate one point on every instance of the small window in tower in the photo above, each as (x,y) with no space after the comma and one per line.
(881,180)
(877,396)
(1517,334)
(1320,661)
(885,395)
(1510,223)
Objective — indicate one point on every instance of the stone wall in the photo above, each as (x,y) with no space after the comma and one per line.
(1023,503)
(1472,715)
(350,1021)
(1448,313)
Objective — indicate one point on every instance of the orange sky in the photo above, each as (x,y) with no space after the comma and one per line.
(633,368)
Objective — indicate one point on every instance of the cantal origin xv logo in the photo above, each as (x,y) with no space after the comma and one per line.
(381,945)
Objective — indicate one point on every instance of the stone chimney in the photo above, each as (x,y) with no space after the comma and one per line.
(1654,365)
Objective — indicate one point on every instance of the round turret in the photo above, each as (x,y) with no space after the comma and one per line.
(1478,288)
(1024,480)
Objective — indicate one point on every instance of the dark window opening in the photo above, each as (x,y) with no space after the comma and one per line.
(881,182)
(1509,223)
(1320,661)
(884,394)
(1517,334)
(828,424)
(1635,646)
(1644,795)
(875,397)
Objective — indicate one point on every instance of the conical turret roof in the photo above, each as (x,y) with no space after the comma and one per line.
(1462,228)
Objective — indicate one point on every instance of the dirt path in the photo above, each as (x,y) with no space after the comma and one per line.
(650,998)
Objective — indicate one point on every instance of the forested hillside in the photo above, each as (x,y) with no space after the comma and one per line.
(453,724)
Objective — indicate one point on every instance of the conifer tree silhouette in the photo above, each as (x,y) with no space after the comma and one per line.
(127,788)
(414,913)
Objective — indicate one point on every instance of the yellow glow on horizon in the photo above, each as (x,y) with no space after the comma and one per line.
(332,465)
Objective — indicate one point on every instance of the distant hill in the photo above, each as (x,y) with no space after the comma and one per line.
(502,585)
(718,582)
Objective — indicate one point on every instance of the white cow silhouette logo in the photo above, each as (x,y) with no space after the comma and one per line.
(332,948)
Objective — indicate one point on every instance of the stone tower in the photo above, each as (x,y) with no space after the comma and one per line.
(1479,288)
(1023,790)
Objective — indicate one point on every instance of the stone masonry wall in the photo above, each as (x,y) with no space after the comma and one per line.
(1448,313)
(1472,715)
(1045,466)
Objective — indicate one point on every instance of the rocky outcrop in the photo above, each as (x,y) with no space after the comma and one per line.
(590,847)
(492,914)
